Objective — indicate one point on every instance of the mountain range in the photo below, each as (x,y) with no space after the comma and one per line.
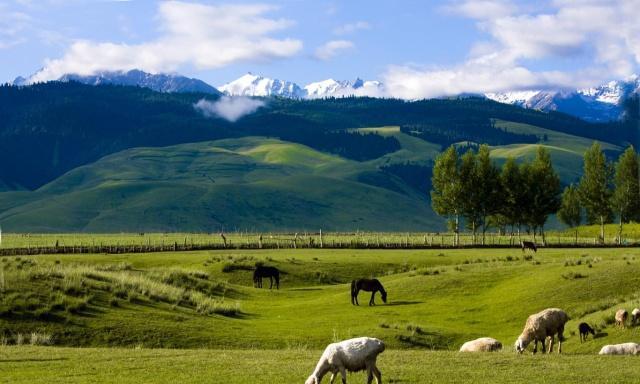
(103,158)
(596,104)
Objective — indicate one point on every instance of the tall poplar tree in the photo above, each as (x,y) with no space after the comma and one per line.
(595,187)
(487,186)
(626,196)
(570,212)
(544,190)
(446,195)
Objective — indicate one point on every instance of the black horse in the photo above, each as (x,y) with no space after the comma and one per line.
(368,285)
(270,272)
(528,245)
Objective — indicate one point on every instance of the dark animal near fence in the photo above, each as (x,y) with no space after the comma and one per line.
(585,330)
(368,285)
(529,245)
(261,272)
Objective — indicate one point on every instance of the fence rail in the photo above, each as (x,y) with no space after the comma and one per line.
(309,242)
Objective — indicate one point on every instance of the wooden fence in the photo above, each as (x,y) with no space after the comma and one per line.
(286,243)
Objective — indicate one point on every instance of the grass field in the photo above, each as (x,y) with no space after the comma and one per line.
(26,365)
(129,305)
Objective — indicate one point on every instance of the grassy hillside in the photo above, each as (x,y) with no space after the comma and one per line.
(251,183)
(258,184)
(437,300)
(566,150)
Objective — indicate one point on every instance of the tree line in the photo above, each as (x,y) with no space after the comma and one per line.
(516,196)
(606,190)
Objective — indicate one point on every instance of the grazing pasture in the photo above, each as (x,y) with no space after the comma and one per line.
(437,300)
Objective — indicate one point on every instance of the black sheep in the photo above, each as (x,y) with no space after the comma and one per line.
(585,330)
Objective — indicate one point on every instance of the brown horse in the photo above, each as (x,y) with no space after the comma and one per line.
(368,285)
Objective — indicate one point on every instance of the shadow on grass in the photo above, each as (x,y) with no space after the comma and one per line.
(403,302)
(32,360)
(600,335)
(305,289)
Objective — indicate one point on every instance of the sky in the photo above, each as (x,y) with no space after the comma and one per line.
(418,48)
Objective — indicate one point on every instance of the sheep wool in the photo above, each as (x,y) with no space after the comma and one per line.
(483,344)
(541,325)
(351,355)
(621,349)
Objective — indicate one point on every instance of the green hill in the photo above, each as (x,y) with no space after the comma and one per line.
(251,183)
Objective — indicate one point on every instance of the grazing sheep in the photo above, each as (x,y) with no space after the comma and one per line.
(585,330)
(621,349)
(621,317)
(351,355)
(635,316)
(483,344)
(540,326)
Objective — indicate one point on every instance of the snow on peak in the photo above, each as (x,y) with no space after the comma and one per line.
(254,85)
(334,88)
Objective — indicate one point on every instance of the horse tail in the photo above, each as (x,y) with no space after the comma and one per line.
(353,288)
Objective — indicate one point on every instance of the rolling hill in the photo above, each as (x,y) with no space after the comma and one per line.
(250,183)
(112,158)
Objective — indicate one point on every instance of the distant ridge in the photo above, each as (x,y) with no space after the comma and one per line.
(158,82)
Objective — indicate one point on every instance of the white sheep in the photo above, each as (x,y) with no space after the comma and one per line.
(621,317)
(621,349)
(540,326)
(635,316)
(483,344)
(351,355)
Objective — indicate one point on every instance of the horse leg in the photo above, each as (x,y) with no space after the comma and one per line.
(372,302)
(356,296)
(270,282)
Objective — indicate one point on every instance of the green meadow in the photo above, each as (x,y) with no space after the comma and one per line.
(162,317)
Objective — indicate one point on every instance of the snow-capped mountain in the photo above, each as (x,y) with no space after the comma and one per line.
(157,82)
(597,104)
(334,88)
(254,85)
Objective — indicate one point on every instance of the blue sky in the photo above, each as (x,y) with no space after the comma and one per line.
(417,48)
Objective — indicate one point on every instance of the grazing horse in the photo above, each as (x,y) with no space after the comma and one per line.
(270,272)
(368,285)
(529,245)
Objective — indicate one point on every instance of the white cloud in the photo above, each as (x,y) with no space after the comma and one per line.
(332,48)
(205,36)
(229,108)
(482,9)
(351,27)
(603,36)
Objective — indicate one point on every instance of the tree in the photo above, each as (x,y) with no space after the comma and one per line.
(488,187)
(446,193)
(544,190)
(626,196)
(570,212)
(595,187)
(513,194)
(469,181)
